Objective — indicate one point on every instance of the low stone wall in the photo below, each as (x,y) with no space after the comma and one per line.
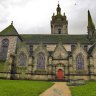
(83,77)
(39,77)
(3,75)
(35,77)
(43,77)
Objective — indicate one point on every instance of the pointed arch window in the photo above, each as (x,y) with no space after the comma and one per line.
(4,49)
(22,59)
(79,62)
(41,61)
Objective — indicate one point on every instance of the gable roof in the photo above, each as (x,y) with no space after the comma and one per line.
(10,31)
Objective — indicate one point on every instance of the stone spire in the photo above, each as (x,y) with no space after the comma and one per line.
(90,22)
(91,27)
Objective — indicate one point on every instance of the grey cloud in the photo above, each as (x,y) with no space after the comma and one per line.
(3,20)
(6,3)
(78,17)
(19,2)
(35,30)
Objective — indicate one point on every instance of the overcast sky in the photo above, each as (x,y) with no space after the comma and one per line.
(34,16)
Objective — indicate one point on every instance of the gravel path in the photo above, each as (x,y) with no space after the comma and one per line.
(58,89)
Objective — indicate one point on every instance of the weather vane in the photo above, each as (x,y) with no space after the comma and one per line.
(58,2)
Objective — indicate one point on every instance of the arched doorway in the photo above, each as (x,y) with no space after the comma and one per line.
(60,74)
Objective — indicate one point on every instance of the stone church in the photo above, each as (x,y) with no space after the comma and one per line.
(55,56)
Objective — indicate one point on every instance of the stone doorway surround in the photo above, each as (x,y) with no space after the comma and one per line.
(59,67)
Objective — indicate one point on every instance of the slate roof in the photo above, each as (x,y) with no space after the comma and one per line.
(45,38)
(53,38)
(10,31)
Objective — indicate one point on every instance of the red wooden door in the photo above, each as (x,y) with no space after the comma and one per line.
(60,74)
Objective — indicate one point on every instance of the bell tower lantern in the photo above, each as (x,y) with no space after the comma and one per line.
(59,23)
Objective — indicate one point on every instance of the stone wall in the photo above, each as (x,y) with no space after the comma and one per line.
(51,47)
(51,63)
(12,44)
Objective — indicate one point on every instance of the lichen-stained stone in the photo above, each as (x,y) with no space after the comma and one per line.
(60,52)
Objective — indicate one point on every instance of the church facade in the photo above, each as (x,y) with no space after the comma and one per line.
(55,56)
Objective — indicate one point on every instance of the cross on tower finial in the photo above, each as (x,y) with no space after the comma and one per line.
(11,22)
(58,9)
(58,3)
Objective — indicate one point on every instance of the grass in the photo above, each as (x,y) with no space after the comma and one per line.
(89,89)
(22,87)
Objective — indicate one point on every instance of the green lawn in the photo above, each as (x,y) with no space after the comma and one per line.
(22,87)
(89,89)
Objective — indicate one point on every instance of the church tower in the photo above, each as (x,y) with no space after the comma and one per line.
(59,23)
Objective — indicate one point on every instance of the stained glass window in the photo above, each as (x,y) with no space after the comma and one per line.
(22,59)
(79,62)
(41,61)
(4,49)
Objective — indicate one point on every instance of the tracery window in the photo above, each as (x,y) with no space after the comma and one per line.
(22,59)
(41,61)
(79,62)
(4,49)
